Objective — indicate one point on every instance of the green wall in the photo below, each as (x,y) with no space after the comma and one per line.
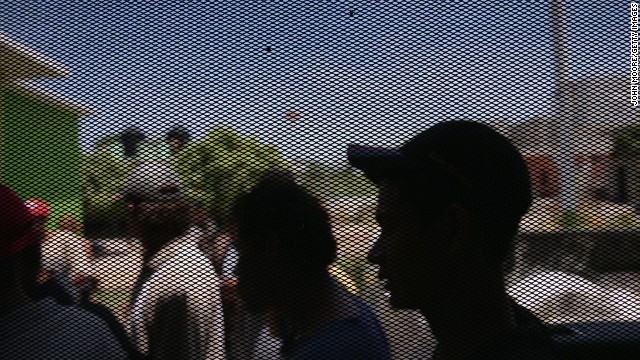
(40,153)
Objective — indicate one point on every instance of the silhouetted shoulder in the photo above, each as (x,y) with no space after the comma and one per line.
(359,337)
(531,340)
(47,330)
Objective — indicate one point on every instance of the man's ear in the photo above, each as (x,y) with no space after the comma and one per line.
(461,228)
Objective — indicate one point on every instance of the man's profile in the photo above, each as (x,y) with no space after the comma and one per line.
(450,203)
(285,246)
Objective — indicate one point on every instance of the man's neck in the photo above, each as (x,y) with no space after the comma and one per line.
(314,306)
(463,325)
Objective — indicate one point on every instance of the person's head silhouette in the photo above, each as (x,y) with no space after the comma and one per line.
(285,243)
(450,203)
(284,239)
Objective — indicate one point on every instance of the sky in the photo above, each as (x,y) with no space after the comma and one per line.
(372,72)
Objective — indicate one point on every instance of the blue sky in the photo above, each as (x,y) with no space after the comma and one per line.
(376,77)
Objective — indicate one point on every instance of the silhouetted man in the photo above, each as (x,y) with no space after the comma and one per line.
(177,137)
(40,329)
(450,203)
(285,246)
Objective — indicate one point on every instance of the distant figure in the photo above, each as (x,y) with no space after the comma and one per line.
(449,206)
(210,240)
(68,258)
(67,264)
(241,327)
(285,247)
(40,329)
(130,139)
(176,311)
(177,138)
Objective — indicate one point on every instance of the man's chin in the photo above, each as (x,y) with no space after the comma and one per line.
(399,302)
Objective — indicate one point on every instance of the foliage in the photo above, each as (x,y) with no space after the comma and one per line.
(102,176)
(333,182)
(313,172)
(626,145)
(222,165)
(107,141)
(215,170)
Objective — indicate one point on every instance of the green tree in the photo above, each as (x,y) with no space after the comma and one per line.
(107,141)
(314,176)
(336,181)
(347,183)
(102,176)
(222,165)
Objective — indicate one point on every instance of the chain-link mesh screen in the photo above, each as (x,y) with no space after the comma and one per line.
(180,185)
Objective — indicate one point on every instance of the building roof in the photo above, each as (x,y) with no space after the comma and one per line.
(19,64)
(33,91)
(18,61)
(605,100)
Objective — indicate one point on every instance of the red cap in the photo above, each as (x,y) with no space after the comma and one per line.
(37,207)
(16,224)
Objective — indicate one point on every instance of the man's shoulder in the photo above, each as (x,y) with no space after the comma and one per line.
(62,330)
(352,338)
(188,262)
(62,236)
(57,241)
(187,270)
(530,340)
(77,318)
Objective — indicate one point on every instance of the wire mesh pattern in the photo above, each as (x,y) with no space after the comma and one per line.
(181,181)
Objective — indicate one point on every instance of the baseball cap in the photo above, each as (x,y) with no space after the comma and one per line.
(37,207)
(16,225)
(152,181)
(466,156)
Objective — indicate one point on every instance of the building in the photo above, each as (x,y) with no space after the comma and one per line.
(601,106)
(39,151)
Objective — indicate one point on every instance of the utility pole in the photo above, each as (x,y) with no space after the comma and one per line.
(564,124)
